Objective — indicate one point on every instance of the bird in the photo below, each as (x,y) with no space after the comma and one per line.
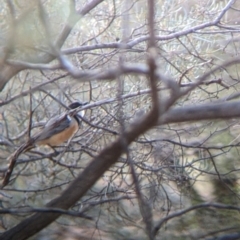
(60,128)
(56,131)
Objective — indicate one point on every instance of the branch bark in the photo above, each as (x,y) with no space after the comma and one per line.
(224,110)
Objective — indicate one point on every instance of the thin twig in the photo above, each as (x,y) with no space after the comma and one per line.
(204,205)
(44,210)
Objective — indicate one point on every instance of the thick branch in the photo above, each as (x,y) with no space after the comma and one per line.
(224,110)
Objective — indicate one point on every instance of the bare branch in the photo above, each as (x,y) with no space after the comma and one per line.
(203,205)
(224,110)
(44,210)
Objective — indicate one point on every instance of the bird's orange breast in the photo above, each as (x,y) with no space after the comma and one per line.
(61,137)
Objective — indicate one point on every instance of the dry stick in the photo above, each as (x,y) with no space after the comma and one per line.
(49,210)
(184,211)
(30,115)
(24,93)
(145,208)
(12,159)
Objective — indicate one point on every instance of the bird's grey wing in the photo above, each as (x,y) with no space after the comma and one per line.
(55,119)
(53,127)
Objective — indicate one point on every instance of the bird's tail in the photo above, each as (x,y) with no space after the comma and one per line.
(12,159)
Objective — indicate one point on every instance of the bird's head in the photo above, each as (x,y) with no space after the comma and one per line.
(76,105)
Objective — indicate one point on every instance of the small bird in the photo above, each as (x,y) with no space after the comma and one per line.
(57,130)
(60,128)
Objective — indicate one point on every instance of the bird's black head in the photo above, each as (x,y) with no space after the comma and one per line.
(79,115)
(76,105)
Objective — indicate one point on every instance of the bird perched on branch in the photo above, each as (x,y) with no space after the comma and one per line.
(60,128)
(56,131)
